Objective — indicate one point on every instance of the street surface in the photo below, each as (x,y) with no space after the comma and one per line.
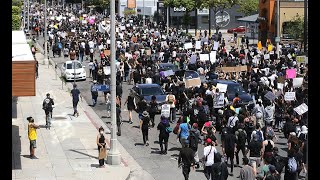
(159,166)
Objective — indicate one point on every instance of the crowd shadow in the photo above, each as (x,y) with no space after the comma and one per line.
(174,149)
(16,148)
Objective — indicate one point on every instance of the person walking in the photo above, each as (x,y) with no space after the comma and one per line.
(230,147)
(144,127)
(153,105)
(183,132)
(241,136)
(101,142)
(170,99)
(246,172)
(186,160)
(32,134)
(130,106)
(194,140)
(219,168)
(75,93)
(208,153)
(254,147)
(47,107)
(258,112)
(94,93)
(163,134)
(118,116)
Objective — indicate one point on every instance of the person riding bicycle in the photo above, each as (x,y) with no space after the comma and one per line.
(47,107)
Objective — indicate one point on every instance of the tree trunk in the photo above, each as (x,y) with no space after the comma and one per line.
(209,22)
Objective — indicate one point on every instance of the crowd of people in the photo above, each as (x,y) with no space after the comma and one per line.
(250,129)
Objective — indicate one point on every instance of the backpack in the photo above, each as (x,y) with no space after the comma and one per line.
(47,104)
(176,129)
(170,98)
(169,129)
(259,136)
(59,45)
(241,138)
(193,141)
(279,163)
(292,165)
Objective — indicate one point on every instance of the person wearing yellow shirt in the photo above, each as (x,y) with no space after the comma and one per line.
(32,134)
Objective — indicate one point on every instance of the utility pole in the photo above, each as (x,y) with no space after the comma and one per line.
(45,34)
(24,15)
(28,4)
(278,29)
(167,20)
(144,15)
(305,35)
(114,154)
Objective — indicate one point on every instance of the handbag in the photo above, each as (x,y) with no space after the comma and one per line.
(102,153)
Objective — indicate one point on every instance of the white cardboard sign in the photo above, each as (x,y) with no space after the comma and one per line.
(204,57)
(301,109)
(290,96)
(198,44)
(165,110)
(213,57)
(222,87)
(188,45)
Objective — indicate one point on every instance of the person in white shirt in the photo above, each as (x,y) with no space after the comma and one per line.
(232,120)
(171,100)
(208,153)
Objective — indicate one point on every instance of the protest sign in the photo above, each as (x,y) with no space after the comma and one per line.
(198,44)
(193,59)
(213,57)
(280,86)
(188,45)
(301,109)
(291,73)
(100,47)
(192,82)
(122,28)
(290,96)
(301,59)
(215,45)
(106,70)
(219,101)
(297,82)
(103,88)
(278,93)
(106,52)
(204,57)
(266,56)
(163,43)
(289,56)
(165,110)
(271,52)
(270,47)
(270,96)
(168,73)
(222,87)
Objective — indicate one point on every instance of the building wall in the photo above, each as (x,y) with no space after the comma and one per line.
(288,10)
(23,78)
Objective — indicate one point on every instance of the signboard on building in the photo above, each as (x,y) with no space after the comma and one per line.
(179,9)
(222,18)
(203,11)
(131,3)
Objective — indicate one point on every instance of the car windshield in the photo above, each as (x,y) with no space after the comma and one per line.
(71,66)
(191,74)
(149,91)
(233,88)
(168,67)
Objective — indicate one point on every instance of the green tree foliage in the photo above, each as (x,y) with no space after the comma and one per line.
(248,7)
(295,27)
(16,22)
(16,10)
(99,3)
(129,12)
(17,3)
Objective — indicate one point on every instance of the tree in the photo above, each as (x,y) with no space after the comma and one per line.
(17,3)
(216,6)
(16,22)
(99,3)
(129,12)
(248,7)
(16,10)
(295,28)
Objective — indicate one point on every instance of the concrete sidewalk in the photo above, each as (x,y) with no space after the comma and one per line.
(68,150)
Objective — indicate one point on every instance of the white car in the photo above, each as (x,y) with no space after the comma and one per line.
(68,70)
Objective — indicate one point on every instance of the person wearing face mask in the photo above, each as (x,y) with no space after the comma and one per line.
(101,142)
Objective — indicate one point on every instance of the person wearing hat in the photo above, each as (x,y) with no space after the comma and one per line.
(32,134)
(75,93)
(47,107)
(247,172)
(94,93)
(144,127)
(208,157)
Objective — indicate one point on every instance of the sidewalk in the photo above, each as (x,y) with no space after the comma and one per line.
(68,150)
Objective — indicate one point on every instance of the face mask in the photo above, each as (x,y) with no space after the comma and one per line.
(101,132)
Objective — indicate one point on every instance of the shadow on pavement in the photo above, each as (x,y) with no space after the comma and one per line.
(16,148)
(156,142)
(95,165)
(174,149)
(155,152)
(156,149)
(26,156)
(174,155)
(139,144)
(14,107)
(83,153)
(138,127)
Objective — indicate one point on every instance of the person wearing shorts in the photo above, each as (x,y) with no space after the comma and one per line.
(32,134)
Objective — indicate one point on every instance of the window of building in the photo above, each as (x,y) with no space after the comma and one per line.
(205,19)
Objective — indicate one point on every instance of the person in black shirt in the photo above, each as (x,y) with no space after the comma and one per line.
(144,127)
(186,159)
(141,107)
(255,152)
(153,105)
(163,134)
(230,147)
(75,93)
(219,168)
(118,116)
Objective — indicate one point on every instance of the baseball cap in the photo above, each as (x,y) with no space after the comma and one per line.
(208,140)
(195,125)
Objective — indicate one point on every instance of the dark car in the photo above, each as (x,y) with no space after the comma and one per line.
(234,87)
(187,74)
(168,66)
(147,91)
(239,29)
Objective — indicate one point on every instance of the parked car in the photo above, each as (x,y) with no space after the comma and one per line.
(168,66)
(234,87)
(239,29)
(147,91)
(70,67)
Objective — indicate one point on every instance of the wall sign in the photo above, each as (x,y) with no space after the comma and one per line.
(222,19)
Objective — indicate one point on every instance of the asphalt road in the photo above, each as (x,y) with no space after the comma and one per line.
(159,166)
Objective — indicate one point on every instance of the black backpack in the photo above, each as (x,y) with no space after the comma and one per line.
(47,104)
(193,140)
(242,138)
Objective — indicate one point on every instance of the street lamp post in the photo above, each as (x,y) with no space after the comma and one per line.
(114,154)
(28,9)
(278,29)
(24,14)
(144,15)
(45,33)
(167,20)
